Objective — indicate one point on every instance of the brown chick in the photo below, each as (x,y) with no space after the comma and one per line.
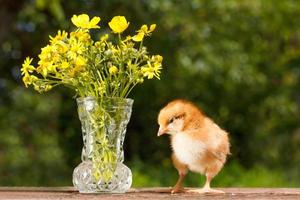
(198,144)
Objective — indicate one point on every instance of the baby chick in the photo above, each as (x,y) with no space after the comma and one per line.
(198,144)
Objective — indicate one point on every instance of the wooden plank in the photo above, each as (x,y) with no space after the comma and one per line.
(50,193)
(38,189)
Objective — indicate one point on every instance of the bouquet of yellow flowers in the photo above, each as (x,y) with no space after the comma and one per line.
(102,72)
(94,68)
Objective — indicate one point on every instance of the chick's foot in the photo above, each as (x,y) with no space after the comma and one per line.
(177,190)
(205,190)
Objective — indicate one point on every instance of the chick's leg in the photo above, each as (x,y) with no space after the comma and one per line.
(178,186)
(182,171)
(207,188)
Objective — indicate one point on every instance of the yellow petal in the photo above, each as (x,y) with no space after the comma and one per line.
(152,27)
(64,65)
(93,23)
(74,20)
(150,76)
(95,20)
(80,61)
(144,28)
(118,24)
(26,80)
(81,20)
(138,37)
(158,58)
(44,72)
(84,18)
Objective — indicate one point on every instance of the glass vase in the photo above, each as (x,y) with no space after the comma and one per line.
(104,124)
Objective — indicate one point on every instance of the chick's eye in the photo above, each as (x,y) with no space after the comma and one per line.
(171,120)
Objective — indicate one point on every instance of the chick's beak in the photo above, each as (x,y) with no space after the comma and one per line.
(161,131)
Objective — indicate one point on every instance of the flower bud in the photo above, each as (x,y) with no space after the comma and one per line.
(113,70)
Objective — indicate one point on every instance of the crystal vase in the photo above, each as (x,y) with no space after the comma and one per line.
(104,124)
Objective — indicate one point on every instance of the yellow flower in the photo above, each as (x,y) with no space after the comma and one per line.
(42,69)
(29,79)
(138,37)
(46,52)
(80,61)
(104,38)
(128,38)
(76,48)
(118,24)
(64,65)
(158,58)
(83,21)
(80,64)
(48,87)
(26,79)
(61,35)
(27,67)
(81,34)
(148,71)
(62,47)
(113,70)
(143,31)
(156,68)
(152,69)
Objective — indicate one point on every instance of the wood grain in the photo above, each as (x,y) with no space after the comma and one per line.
(50,193)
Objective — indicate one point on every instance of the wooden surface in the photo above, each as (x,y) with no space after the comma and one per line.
(29,193)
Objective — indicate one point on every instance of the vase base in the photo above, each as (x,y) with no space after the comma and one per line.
(101,192)
(84,183)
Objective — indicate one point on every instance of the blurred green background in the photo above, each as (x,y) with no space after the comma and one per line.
(237,59)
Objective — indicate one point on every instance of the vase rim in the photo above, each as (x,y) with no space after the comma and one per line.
(80,99)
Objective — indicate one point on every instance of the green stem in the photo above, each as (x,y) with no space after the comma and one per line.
(128,92)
